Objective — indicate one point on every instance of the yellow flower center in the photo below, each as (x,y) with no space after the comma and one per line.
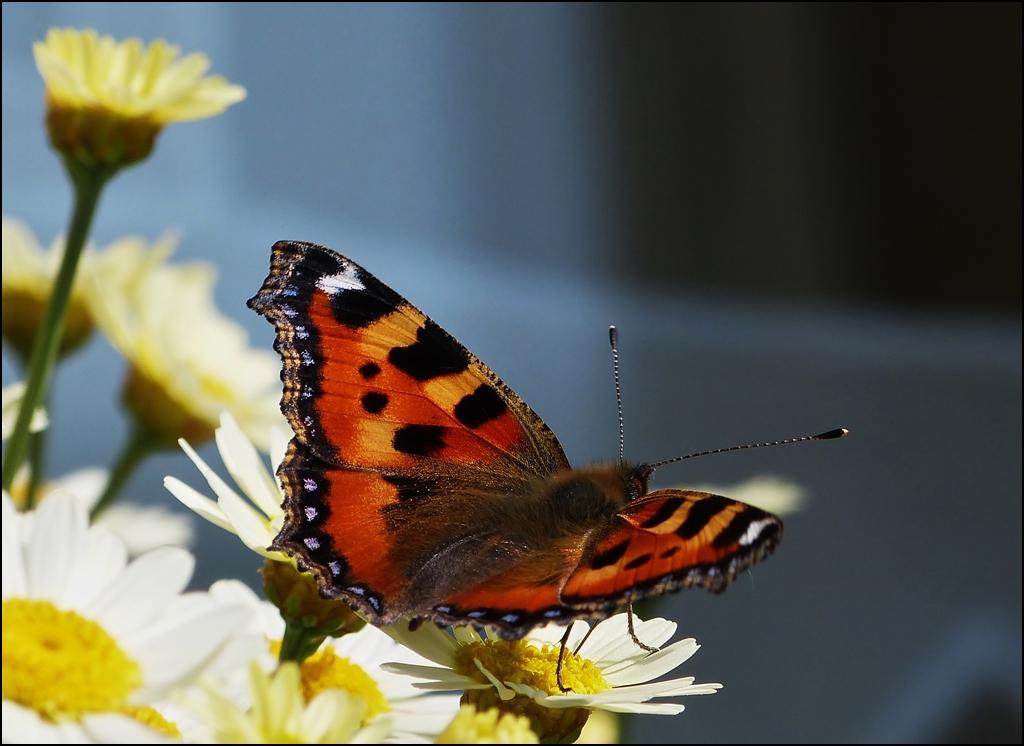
(325,670)
(61,664)
(523,663)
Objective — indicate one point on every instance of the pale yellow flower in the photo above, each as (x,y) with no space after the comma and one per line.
(765,491)
(107,101)
(490,726)
(29,272)
(280,714)
(27,280)
(188,362)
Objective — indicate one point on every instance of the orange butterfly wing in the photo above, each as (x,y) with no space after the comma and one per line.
(370,381)
(667,540)
(386,407)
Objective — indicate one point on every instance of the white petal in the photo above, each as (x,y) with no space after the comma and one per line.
(428,640)
(504,693)
(180,643)
(56,545)
(22,725)
(557,702)
(646,708)
(198,502)
(250,526)
(245,466)
(85,484)
(219,486)
(375,732)
(14,581)
(142,591)
(144,528)
(440,675)
(644,692)
(116,728)
(103,560)
(655,665)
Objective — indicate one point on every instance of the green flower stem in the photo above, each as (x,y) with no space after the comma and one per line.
(88,185)
(140,444)
(36,464)
(299,642)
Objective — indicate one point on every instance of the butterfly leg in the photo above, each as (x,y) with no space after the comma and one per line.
(632,632)
(561,658)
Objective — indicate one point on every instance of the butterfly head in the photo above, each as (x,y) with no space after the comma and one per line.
(637,478)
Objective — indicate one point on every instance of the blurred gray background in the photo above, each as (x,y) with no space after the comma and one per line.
(801,217)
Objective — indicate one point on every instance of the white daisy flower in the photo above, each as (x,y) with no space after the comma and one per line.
(90,641)
(605,670)
(141,528)
(256,521)
(352,663)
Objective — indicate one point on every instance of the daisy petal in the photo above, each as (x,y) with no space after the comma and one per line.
(14,581)
(59,529)
(181,642)
(646,708)
(198,502)
(428,640)
(143,590)
(654,665)
(114,728)
(245,466)
(105,558)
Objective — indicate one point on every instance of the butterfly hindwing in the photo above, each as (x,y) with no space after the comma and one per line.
(371,382)
(671,539)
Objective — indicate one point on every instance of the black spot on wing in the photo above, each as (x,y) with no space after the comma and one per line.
(360,308)
(419,440)
(640,561)
(480,407)
(738,526)
(369,370)
(374,402)
(411,487)
(701,512)
(666,511)
(433,354)
(669,552)
(609,557)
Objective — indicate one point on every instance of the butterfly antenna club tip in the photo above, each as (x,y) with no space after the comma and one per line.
(841,432)
(831,434)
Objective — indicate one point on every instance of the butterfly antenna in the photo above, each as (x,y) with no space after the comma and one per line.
(841,432)
(613,337)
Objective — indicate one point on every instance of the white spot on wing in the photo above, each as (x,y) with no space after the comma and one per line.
(754,530)
(340,282)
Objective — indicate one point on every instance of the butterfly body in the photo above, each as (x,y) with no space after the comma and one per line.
(418,485)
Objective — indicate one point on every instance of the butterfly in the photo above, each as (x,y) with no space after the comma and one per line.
(419,486)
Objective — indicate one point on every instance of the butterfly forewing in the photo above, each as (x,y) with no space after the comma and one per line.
(672,539)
